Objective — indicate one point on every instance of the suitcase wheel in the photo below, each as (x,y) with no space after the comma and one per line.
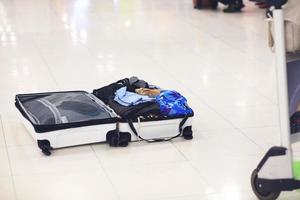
(118,139)
(45,146)
(46,152)
(124,139)
(112,138)
(187,133)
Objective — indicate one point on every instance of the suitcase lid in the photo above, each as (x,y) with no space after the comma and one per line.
(60,110)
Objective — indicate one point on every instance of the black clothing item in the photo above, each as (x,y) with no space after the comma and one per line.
(133,112)
(234,7)
(107,92)
(276,3)
(134,81)
(230,2)
(145,110)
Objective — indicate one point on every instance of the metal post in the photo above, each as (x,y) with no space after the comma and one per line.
(282,88)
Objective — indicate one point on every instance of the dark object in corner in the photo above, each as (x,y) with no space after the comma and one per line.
(201,4)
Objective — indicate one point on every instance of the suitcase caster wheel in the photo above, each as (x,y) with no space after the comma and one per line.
(187,133)
(46,152)
(123,144)
(45,146)
(262,195)
(112,138)
(118,139)
(124,139)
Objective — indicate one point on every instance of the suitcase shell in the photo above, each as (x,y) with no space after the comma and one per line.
(159,129)
(88,132)
(97,133)
(71,136)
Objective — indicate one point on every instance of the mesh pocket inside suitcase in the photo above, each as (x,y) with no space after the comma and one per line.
(68,107)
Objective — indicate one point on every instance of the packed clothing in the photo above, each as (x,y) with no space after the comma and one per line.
(134,98)
(173,104)
(126,98)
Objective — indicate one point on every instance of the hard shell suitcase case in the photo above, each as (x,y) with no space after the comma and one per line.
(70,118)
(45,115)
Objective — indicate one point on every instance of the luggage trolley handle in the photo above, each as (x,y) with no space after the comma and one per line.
(130,123)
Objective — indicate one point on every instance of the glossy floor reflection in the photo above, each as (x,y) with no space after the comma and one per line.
(220,62)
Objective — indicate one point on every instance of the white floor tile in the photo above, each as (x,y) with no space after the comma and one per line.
(228,173)
(232,195)
(211,121)
(6,188)
(84,185)
(235,195)
(266,137)
(251,116)
(138,153)
(25,70)
(28,159)
(289,195)
(157,180)
(5,166)
(15,132)
(2,139)
(227,142)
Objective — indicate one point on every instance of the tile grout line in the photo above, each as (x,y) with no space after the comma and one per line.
(227,44)
(46,64)
(180,152)
(196,27)
(203,101)
(89,51)
(218,67)
(190,164)
(9,161)
(90,54)
(211,108)
(106,174)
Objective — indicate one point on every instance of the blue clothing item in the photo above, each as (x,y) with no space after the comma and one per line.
(173,104)
(126,98)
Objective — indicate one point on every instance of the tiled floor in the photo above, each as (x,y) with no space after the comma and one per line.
(220,62)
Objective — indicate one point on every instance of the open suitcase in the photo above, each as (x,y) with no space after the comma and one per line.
(70,118)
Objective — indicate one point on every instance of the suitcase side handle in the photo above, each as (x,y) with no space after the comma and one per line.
(181,124)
